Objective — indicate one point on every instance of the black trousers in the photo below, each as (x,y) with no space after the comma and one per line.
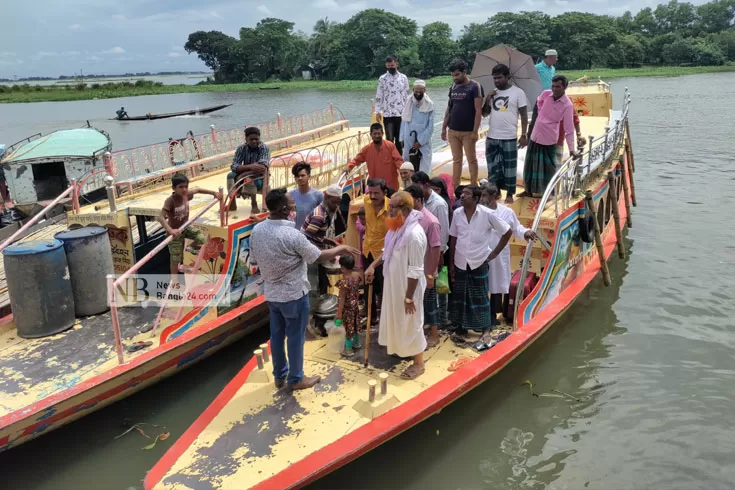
(392,127)
(377,287)
(323,279)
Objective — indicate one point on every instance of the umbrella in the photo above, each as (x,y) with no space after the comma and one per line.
(522,70)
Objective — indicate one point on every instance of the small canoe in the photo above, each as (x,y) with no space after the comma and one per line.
(269,88)
(193,112)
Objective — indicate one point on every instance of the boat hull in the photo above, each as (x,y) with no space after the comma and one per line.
(193,112)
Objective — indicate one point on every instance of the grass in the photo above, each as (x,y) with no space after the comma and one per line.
(27,93)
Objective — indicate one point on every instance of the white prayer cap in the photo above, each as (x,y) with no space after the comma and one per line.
(407,166)
(551,52)
(419,83)
(483,181)
(334,190)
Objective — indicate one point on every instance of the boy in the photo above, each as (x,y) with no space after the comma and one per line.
(175,212)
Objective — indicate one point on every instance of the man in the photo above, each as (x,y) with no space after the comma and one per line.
(431,228)
(581,140)
(390,99)
(324,225)
(502,143)
(462,121)
(500,271)
(305,198)
(546,69)
(552,108)
(122,113)
(382,157)
(470,252)
(282,253)
(253,158)
(402,315)
(417,126)
(439,208)
(406,171)
(376,211)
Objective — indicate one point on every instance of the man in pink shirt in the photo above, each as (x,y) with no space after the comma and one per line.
(432,229)
(553,111)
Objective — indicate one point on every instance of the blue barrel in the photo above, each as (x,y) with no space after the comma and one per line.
(39,287)
(89,256)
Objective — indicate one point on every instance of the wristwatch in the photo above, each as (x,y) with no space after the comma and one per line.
(408,301)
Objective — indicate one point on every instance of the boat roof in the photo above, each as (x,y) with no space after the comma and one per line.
(82,142)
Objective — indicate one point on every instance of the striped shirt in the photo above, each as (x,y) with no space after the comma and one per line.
(320,225)
(244,155)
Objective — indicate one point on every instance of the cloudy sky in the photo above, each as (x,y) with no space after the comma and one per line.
(52,37)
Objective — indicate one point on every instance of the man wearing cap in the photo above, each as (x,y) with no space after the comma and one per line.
(417,126)
(324,225)
(546,69)
(406,172)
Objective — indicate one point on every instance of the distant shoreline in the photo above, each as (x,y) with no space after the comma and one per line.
(58,94)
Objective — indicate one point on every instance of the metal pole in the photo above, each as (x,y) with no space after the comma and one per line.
(115,319)
(598,240)
(214,137)
(110,189)
(626,192)
(74,196)
(613,196)
(589,157)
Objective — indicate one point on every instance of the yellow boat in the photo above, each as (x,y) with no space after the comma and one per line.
(48,382)
(255,437)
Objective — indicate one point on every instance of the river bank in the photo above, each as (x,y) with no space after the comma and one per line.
(109,91)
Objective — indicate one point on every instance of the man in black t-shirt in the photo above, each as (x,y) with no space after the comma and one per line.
(462,121)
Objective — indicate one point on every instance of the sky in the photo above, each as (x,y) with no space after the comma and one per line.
(52,37)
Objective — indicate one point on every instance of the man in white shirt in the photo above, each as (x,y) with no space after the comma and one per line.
(390,99)
(501,147)
(470,235)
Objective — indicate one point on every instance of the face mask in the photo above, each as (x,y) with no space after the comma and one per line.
(392,71)
(418,96)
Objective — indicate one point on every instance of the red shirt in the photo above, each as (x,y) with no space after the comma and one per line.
(383,162)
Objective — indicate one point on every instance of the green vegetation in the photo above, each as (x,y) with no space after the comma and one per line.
(669,34)
(29,93)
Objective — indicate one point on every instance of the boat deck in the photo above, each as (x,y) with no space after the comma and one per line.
(34,369)
(261,431)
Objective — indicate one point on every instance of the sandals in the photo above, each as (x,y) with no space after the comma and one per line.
(136,346)
(458,363)
(412,372)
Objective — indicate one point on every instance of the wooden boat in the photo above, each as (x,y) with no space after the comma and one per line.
(193,112)
(48,382)
(253,436)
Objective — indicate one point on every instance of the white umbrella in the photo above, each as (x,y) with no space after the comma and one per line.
(522,70)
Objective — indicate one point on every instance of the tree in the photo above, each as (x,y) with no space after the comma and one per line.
(437,48)
(525,31)
(582,39)
(716,16)
(212,47)
(675,17)
(475,38)
(275,50)
(645,23)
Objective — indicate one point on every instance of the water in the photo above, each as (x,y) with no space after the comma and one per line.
(192,79)
(651,358)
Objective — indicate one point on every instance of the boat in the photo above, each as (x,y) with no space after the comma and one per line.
(193,112)
(150,334)
(253,436)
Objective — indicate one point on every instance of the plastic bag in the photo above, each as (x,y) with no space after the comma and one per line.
(442,281)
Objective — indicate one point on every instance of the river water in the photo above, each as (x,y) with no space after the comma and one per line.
(650,359)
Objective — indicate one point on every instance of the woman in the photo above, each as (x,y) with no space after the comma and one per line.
(417,126)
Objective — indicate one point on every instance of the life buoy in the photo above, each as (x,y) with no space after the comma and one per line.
(587,226)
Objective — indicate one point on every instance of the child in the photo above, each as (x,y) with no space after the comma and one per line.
(348,309)
(361,232)
(175,212)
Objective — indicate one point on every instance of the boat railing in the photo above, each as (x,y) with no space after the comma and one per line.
(599,83)
(573,175)
(327,162)
(279,133)
(113,284)
(10,149)
(232,194)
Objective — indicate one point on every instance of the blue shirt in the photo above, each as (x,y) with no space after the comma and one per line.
(282,252)
(305,204)
(545,73)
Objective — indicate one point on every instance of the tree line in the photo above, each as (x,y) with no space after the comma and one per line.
(675,33)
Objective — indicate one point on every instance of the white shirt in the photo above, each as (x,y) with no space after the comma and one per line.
(391,95)
(504,114)
(474,237)
(439,208)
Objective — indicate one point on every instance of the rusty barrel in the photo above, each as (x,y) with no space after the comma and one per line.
(40,291)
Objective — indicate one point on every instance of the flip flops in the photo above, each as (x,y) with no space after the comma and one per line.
(136,346)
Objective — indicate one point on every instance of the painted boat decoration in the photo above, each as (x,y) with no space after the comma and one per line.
(255,437)
(193,112)
(48,382)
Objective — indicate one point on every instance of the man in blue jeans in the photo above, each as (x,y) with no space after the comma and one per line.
(282,252)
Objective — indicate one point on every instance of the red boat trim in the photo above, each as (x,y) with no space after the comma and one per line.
(401,418)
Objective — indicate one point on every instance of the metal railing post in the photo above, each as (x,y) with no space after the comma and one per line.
(214,137)
(115,319)
(74,196)
(591,139)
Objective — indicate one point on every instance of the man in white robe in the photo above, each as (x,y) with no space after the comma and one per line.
(402,312)
(500,271)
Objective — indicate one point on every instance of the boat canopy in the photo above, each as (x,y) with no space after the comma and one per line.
(82,143)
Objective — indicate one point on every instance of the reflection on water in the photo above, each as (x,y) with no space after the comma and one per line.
(649,361)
